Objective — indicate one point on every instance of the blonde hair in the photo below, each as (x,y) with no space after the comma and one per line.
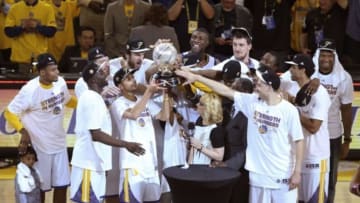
(213,109)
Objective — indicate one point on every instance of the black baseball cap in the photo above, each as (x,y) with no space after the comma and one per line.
(45,59)
(302,98)
(327,45)
(136,46)
(121,74)
(303,61)
(95,53)
(231,70)
(242,31)
(89,71)
(270,78)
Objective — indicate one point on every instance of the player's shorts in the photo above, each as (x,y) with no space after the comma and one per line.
(136,189)
(87,185)
(281,195)
(314,182)
(53,169)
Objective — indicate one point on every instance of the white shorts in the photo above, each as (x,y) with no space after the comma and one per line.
(87,185)
(314,182)
(135,189)
(267,195)
(53,169)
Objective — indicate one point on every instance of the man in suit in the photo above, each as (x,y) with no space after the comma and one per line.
(120,17)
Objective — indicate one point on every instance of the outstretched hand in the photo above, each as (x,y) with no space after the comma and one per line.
(135,148)
(190,77)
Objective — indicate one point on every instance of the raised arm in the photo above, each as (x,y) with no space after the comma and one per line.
(207,9)
(175,10)
(218,87)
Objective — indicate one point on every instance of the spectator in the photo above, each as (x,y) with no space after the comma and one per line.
(31,23)
(188,15)
(5,43)
(320,24)
(228,15)
(352,37)
(65,12)
(92,15)
(271,27)
(298,14)
(120,17)
(86,40)
(155,22)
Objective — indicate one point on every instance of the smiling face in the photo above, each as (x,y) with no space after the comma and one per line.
(199,41)
(326,61)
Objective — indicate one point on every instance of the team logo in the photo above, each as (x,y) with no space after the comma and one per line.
(141,122)
(57,110)
(262,129)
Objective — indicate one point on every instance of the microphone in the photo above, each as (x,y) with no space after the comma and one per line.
(191,129)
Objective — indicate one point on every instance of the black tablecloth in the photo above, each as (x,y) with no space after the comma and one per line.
(200,183)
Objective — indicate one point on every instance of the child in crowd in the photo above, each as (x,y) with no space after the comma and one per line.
(27,180)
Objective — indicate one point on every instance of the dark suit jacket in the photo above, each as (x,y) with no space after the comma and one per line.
(236,141)
(65,63)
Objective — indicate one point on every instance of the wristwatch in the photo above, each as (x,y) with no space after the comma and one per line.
(347,139)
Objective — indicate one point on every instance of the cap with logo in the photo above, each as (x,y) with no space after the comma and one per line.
(327,45)
(45,59)
(302,98)
(270,78)
(231,70)
(89,71)
(95,53)
(136,46)
(121,74)
(303,61)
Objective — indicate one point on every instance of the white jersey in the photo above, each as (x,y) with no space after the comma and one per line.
(317,145)
(244,68)
(91,114)
(41,111)
(272,131)
(140,130)
(202,133)
(340,93)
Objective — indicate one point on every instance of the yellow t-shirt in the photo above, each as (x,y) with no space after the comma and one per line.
(64,35)
(27,45)
(299,11)
(5,41)
(129,10)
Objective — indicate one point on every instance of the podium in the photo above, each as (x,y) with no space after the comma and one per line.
(201,184)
